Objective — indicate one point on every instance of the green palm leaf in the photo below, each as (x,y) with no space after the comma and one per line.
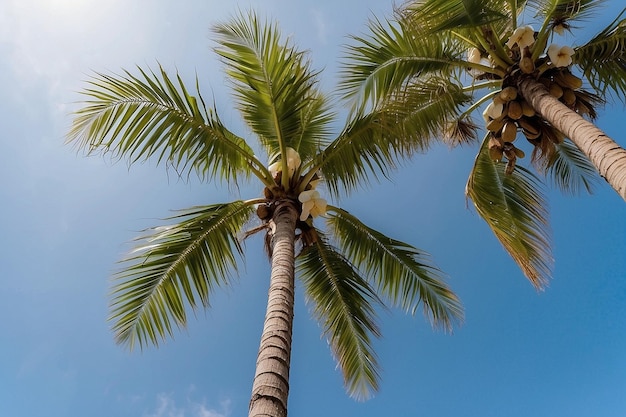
(442,15)
(139,117)
(176,265)
(274,85)
(316,122)
(603,59)
(389,58)
(571,170)
(344,305)
(426,108)
(401,272)
(374,143)
(565,12)
(366,148)
(515,210)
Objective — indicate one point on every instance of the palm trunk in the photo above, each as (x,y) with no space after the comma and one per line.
(604,153)
(271,381)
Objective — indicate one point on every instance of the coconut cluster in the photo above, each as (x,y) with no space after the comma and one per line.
(508,114)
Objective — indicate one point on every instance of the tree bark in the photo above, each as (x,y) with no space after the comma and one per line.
(604,153)
(271,381)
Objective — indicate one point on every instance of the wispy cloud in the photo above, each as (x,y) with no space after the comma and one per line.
(166,406)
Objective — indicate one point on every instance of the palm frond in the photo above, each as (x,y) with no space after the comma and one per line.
(603,59)
(571,170)
(174,266)
(390,57)
(443,15)
(516,211)
(564,12)
(427,106)
(274,85)
(404,274)
(367,147)
(344,305)
(373,143)
(316,129)
(136,117)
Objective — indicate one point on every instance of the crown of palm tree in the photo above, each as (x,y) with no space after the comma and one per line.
(347,268)
(440,61)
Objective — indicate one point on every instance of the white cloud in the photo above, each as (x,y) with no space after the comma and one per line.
(166,407)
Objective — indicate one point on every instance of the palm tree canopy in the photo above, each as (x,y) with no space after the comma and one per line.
(181,264)
(437,62)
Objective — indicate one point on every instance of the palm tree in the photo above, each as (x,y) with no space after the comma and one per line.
(347,269)
(440,61)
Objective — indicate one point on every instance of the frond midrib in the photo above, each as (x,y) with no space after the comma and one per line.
(344,306)
(380,244)
(336,146)
(275,119)
(362,81)
(184,116)
(180,259)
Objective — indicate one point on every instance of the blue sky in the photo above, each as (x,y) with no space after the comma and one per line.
(65,220)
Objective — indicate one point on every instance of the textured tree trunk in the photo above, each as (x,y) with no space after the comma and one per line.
(604,153)
(271,381)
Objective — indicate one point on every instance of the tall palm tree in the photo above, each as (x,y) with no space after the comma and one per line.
(346,268)
(437,62)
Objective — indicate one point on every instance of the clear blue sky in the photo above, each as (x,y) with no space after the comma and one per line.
(65,220)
